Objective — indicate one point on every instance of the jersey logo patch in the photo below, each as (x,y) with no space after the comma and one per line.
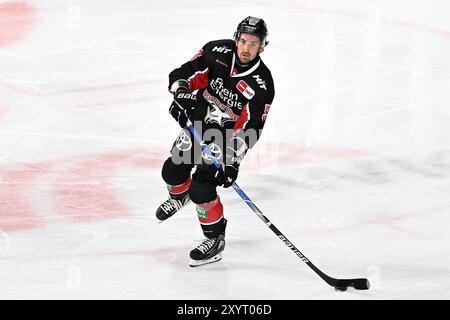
(215,115)
(183,142)
(223,49)
(245,89)
(216,153)
(261,82)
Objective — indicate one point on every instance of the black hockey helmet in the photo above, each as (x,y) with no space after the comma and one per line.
(255,26)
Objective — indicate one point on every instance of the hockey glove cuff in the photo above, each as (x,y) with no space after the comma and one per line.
(182,107)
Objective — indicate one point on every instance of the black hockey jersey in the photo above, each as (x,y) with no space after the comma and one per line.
(226,98)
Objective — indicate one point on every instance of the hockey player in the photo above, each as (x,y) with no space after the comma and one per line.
(226,91)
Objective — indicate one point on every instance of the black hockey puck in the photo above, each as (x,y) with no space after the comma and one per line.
(361,284)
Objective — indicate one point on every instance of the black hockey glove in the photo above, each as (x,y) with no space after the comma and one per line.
(221,177)
(182,106)
(229,175)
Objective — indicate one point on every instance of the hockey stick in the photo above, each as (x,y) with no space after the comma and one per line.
(338,284)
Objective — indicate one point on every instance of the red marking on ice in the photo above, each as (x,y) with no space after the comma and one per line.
(16,19)
(349,14)
(3,110)
(438,31)
(82,191)
(89,118)
(27,91)
(103,87)
(117,102)
(17,211)
(391,221)
(276,154)
(83,188)
(297,154)
(88,191)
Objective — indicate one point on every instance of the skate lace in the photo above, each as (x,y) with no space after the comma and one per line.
(206,245)
(171,204)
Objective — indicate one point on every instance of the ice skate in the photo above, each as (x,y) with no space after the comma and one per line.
(171,206)
(209,251)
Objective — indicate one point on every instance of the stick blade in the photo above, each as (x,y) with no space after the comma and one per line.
(358,284)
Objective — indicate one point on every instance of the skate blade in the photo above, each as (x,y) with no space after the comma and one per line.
(160,221)
(197,263)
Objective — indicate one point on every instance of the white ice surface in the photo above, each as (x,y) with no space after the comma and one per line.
(359,182)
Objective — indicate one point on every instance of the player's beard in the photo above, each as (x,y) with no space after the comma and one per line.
(245,57)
